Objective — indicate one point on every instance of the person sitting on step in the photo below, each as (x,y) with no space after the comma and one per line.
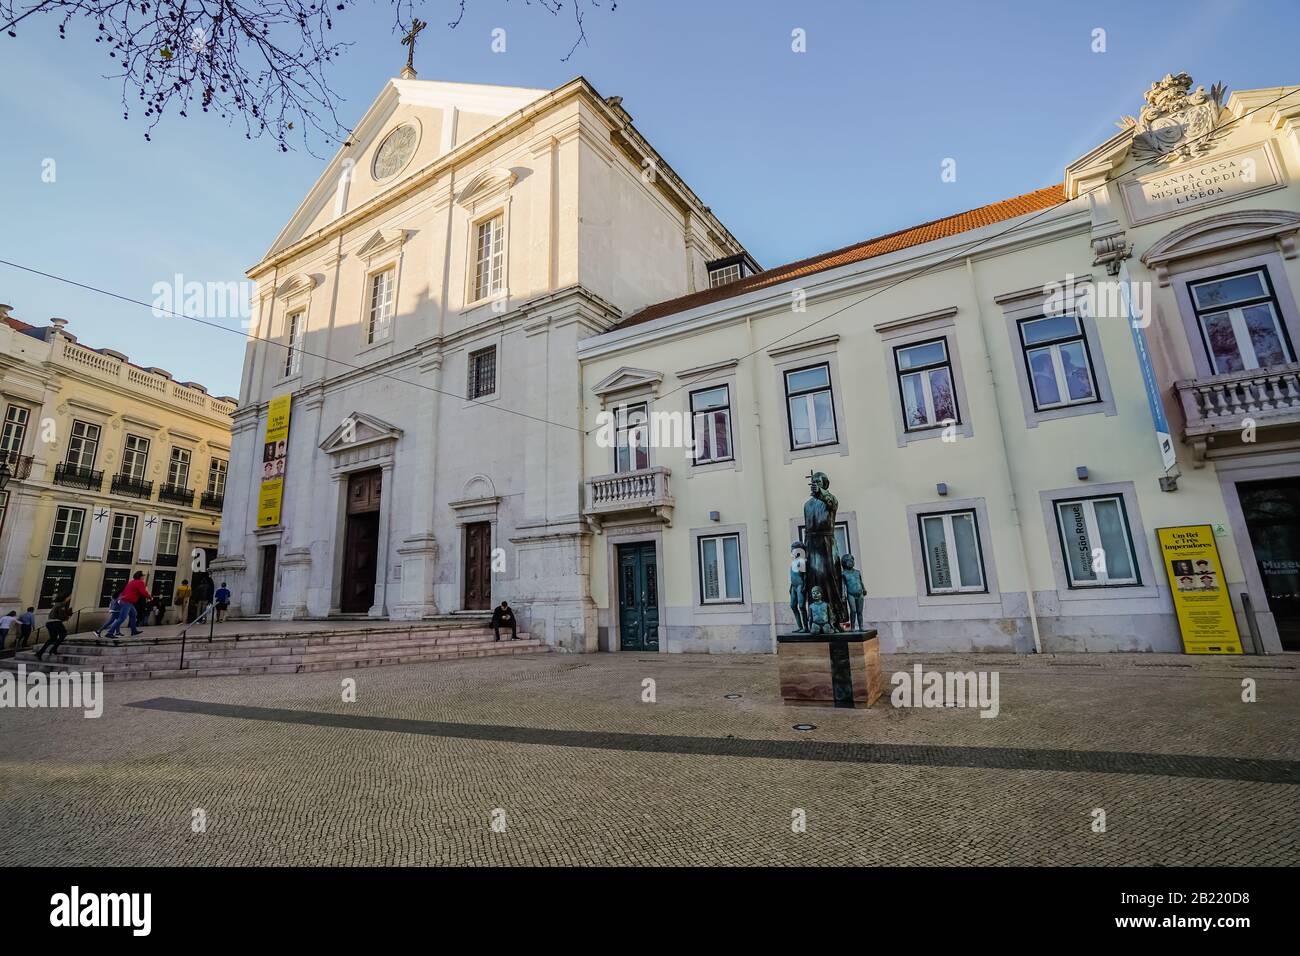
(504,616)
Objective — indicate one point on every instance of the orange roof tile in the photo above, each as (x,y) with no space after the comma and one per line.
(891,242)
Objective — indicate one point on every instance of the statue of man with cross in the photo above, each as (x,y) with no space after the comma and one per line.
(408,71)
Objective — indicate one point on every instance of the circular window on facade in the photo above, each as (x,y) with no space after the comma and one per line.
(395,151)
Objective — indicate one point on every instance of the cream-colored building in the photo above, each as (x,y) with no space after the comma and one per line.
(112,467)
(422,310)
(973,389)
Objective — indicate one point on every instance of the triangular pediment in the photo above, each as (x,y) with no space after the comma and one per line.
(627,380)
(435,109)
(359,429)
(382,241)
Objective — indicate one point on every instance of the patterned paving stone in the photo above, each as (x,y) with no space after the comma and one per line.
(539,747)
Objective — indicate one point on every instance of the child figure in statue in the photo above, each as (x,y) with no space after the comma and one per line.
(819,613)
(798,565)
(854,590)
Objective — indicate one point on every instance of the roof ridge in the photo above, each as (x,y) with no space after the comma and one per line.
(1037,200)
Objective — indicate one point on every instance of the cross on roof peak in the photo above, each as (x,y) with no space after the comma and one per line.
(408,71)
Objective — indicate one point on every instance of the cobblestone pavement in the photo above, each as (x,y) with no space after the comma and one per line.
(565,753)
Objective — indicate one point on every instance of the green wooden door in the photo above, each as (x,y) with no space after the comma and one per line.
(638,597)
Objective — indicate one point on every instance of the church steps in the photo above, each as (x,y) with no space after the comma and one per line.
(284,653)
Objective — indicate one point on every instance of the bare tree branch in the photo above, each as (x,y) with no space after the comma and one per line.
(263,64)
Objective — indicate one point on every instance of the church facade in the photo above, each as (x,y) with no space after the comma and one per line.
(1008,403)
(408,441)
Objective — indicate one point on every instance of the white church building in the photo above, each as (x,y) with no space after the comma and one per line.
(421,311)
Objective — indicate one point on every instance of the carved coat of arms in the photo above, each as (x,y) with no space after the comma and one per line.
(1175,124)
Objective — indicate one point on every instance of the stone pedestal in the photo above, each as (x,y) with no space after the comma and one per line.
(830,670)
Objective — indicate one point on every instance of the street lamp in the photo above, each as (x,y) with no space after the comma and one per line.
(4,474)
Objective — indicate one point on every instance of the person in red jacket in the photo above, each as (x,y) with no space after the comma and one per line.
(134,592)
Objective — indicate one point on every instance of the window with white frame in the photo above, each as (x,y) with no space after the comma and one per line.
(135,456)
(295,330)
(217,468)
(925,384)
(482,373)
(83,445)
(169,538)
(489,257)
(720,581)
(65,542)
(843,545)
(1058,361)
(15,429)
(711,425)
(379,319)
(1096,542)
(178,469)
(810,406)
(121,539)
(1240,322)
(953,560)
(723,275)
(631,437)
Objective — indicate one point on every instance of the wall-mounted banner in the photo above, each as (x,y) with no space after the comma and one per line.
(1200,590)
(1137,325)
(275,456)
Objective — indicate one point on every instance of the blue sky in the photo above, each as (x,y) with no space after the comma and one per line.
(796,152)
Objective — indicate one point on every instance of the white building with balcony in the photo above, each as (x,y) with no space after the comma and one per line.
(987,429)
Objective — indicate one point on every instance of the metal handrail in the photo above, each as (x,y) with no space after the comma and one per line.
(210,613)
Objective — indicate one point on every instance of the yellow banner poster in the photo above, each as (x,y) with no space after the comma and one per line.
(1200,590)
(275,454)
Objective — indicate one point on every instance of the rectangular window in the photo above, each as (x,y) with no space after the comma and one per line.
(843,545)
(810,406)
(83,445)
(720,570)
(1058,360)
(15,430)
(711,425)
(164,586)
(169,538)
(1096,542)
(925,383)
(121,540)
(379,323)
(489,267)
(56,584)
(178,470)
(953,561)
(482,373)
(1240,323)
(65,542)
(631,436)
(724,275)
(135,455)
(294,332)
(114,580)
(217,468)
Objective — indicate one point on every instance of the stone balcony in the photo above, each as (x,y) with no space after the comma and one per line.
(629,496)
(1238,409)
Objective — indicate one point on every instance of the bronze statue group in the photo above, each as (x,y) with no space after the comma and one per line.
(826,590)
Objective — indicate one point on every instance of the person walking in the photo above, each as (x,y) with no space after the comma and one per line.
(26,624)
(183,594)
(56,626)
(504,616)
(222,598)
(134,593)
(6,625)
